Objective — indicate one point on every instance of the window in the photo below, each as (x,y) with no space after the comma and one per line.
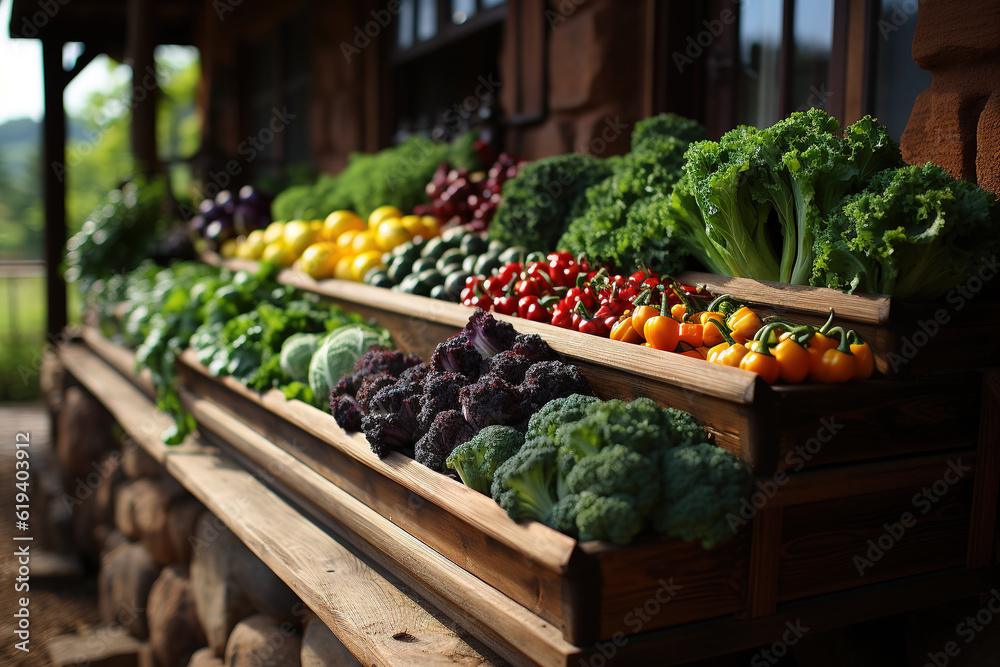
(897,80)
(443,53)
(279,77)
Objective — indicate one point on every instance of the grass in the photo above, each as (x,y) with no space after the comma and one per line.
(22,335)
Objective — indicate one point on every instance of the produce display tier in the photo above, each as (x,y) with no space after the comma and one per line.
(767,426)
(292,450)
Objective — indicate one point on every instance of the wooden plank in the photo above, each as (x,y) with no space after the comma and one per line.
(120,396)
(847,481)
(869,308)
(364,608)
(984,506)
(698,641)
(467,599)
(764,558)
(862,539)
(119,358)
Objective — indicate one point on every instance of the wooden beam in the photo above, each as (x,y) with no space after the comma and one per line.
(54,185)
(140,42)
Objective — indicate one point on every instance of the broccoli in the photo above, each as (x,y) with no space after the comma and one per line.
(915,232)
(477,459)
(543,198)
(524,484)
(448,430)
(509,366)
(608,470)
(490,401)
(547,380)
(440,393)
(489,335)
(458,355)
(533,347)
(613,518)
(557,412)
(702,484)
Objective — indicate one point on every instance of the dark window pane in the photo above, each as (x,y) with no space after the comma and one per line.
(462,10)
(813,34)
(406,21)
(760,46)
(898,80)
(427,19)
(492,3)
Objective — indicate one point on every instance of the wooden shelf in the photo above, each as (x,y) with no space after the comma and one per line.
(277,489)
(363,606)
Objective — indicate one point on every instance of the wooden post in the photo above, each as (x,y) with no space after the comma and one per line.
(54,184)
(140,42)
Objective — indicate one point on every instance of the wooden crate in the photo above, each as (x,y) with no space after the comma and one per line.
(803,540)
(907,338)
(765,425)
(800,541)
(585,589)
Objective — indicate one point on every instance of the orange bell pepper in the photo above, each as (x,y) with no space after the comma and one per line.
(662,331)
(833,365)
(863,354)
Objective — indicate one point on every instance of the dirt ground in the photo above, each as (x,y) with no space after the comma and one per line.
(57,606)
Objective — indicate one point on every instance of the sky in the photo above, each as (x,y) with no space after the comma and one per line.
(21,71)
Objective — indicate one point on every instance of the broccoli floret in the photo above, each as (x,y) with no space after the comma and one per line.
(491,401)
(702,484)
(448,430)
(370,386)
(477,459)
(375,360)
(533,347)
(616,469)
(380,359)
(458,355)
(524,485)
(563,516)
(440,393)
(666,126)
(509,366)
(555,413)
(489,335)
(612,518)
(346,411)
(547,380)
(390,399)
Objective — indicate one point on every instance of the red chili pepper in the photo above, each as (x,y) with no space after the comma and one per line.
(536,313)
(485,302)
(509,271)
(561,317)
(538,271)
(494,286)
(527,288)
(505,305)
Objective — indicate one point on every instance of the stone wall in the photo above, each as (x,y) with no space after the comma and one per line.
(956,122)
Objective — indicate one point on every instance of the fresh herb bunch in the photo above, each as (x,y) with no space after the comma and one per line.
(394,176)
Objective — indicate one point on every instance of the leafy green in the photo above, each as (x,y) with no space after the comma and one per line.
(915,232)
(539,203)
(754,187)
(622,223)
(394,176)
